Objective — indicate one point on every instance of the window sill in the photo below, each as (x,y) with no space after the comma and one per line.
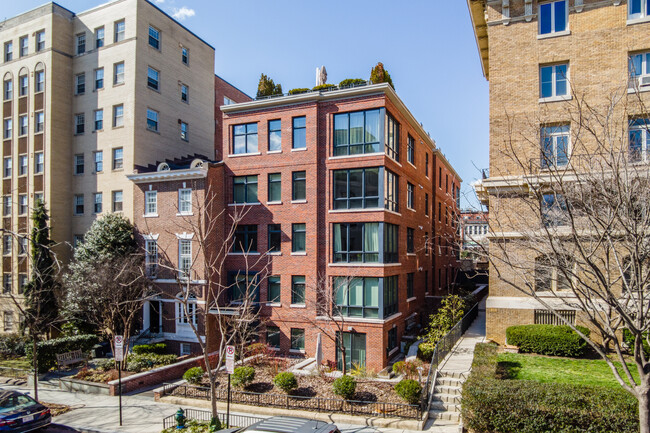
(274,253)
(555,99)
(185,214)
(98,130)
(298,201)
(271,152)
(298,306)
(393,350)
(411,299)
(153,215)
(299,253)
(153,131)
(362,265)
(554,34)
(118,127)
(411,209)
(244,204)
(297,351)
(118,84)
(239,155)
(273,304)
(117,169)
(301,149)
(412,165)
(640,89)
(372,209)
(271,203)
(393,212)
(632,21)
(252,253)
(360,155)
(411,254)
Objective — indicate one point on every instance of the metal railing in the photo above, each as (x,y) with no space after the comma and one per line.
(545,317)
(206,416)
(327,89)
(318,404)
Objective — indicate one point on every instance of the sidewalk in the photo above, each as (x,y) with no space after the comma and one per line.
(460,358)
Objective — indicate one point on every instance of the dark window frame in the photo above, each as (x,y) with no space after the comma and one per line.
(366,201)
(298,232)
(299,133)
(366,146)
(247,185)
(245,239)
(273,230)
(274,183)
(296,181)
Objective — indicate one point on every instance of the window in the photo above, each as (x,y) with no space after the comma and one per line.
(298,237)
(245,138)
(118,73)
(553,80)
(117,201)
(7,129)
(274,289)
(426,203)
(410,149)
(426,164)
(6,206)
(22,165)
(356,243)
(118,30)
(99,120)
(410,195)
(6,171)
(152,120)
(391,243)
(391,191)
(245,189)
(80,83)
(275,188)
(298,289)
(299,133)
(297,339)
(78,204)
(151,203)
(554,210)
(23,82)
(185,56)
(447,183)
(97,200)
(356,188)
(185,201)
(7,242)
(81,43)
(439,211)
(299,186)
(390,296)
(184,93)
(440,177)
(99,37)
(99,161)
(356,133)
(153,78)
(184,258)
(638,8)
(357,297)
(24,46)
(118,116)
(39,81)
(355,349)
(555,146)
(392,137)
(410,240)
(410,290)
(154,37)
(639,138)
(77,240)
(40,40)
(553,17)
(392,339)
(23,125)
(243,286)
(23,205)
(186,310)
(273,336)
(8,90)
(184,131)
(8,316)
(39,121)
(275,135)
(245,240)
(9,51)
(228,101)
(151,257)
(99,78)
(549,277)
(274,237)
(39,162)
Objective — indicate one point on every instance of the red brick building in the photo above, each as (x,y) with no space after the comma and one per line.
(224,94)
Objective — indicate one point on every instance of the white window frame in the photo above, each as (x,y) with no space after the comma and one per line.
(185,205)
(151,203)
(644,11)
(8,90)
(40,40)
(79,120)
(39,122)
(98,119)
(181,318)
(184,131)
(118,77)
(553,32)
(39,162)
(100,202)
(23,204)
(156,121)
(554,80)
(23,46)
(118,119)
(98,162)
(79,201)
(156,37)
(99,79)
(23,125)
(7,245)
(80,40)
(8,128)
(39,81)
(117,163)
(185,93)
(153,75)
(184,259)
(115,202)
(151,257)
(645,140)
(80,80)
(7,167)
(100,41)
(23,165)
(118,35)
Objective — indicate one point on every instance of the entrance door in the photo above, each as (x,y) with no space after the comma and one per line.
(154,317)
(355,350)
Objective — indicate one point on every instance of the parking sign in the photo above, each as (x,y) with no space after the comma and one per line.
(119,348)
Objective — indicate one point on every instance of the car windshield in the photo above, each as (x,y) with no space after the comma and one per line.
(10,402)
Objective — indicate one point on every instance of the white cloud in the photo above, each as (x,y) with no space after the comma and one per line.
(182,13)
(159,2)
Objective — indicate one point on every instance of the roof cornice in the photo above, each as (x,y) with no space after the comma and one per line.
(168,175)
(479,24)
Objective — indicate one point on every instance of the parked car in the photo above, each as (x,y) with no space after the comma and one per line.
(287,424)
(20,413)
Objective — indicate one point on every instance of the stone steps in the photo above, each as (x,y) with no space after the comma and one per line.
(447,389)
(436,414)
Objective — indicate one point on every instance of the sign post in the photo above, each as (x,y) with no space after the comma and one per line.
(119,357)
(230,368)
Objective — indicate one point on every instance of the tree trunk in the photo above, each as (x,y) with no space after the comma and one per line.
(644,410)
(213,396)
(35,364)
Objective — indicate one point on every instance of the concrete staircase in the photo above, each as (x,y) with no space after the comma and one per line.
(445,402)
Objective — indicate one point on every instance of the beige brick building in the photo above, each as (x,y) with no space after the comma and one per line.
(540,57)
(86,97)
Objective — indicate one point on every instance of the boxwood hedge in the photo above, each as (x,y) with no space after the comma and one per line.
(47,350)
(548,340)
(508,406)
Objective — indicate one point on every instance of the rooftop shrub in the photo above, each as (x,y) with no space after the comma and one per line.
(298,91)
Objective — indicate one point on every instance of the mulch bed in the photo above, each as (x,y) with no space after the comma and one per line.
(57,409)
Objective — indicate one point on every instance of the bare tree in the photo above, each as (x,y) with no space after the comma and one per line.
(590,251)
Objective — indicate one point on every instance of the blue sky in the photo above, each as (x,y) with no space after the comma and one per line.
(427,46)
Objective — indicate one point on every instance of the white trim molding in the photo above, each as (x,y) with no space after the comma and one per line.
(185,235)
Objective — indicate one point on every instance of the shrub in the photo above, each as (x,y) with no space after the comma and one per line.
(409,390)
(105,364)
(158,348)
(509,406)
(628,339)
(12,345)
(352,82)
(547,340)
(345,386)
(298,90)
(286,381)
(48,349)
(194,375)
(242,376)
(380,75)
(408,368)
(425,351)
(146,361)
(324,87)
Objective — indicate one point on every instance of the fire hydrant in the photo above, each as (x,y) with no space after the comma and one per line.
(180,419)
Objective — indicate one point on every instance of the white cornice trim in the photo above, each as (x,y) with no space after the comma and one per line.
(160,176)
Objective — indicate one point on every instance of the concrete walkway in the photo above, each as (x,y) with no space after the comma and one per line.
(460,358)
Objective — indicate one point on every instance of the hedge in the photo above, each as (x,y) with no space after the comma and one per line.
(628,339)
(520,406)
(554,340)
(352,82)
(157,348)
(47,350)
(298,91)
(12,345)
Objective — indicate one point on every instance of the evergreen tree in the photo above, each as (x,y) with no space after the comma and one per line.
(267,87)
(380,75)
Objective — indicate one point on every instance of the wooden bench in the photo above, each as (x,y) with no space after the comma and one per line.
(68,358)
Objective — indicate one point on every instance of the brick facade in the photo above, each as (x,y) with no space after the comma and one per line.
(224,93)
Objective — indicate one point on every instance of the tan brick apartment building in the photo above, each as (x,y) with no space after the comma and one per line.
(86,97)
(338,188)
(534,53)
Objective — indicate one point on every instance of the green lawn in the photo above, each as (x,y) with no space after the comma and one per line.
(16,363)
(559,370)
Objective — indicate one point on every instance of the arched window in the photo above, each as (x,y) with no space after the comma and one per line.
(39,78)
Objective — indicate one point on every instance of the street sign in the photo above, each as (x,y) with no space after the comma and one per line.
(230,366)
(230,352)
(119,348)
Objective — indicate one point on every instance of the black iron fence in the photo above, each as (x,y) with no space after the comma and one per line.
(318,404)
(206,416)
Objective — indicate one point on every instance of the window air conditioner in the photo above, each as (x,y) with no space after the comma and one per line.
(644,80)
